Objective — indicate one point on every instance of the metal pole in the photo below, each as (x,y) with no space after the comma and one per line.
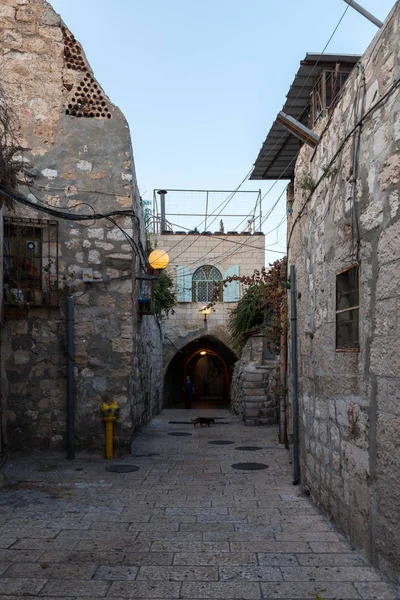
(205,220)
(162,194)
(259,196)
(70,379)
(295,405)
(364,13)
(282,395)
(154,212)
(355,161)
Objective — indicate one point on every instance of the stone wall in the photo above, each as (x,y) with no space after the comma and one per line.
(78,149)
(220,251)
(349,401)
(254,386)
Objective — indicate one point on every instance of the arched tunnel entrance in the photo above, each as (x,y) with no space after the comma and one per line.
(209,362)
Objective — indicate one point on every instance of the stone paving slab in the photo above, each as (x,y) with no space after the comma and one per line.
(185,526)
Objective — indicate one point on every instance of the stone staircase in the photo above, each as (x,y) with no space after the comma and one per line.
(259,397)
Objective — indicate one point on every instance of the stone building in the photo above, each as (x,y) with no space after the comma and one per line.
(344,242)
(197,263)
(79,162)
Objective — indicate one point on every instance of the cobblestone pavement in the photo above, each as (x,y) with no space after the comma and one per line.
(185,525)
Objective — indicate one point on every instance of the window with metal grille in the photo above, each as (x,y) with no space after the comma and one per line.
(30,262)
(325,92)
(205,284)
(347,309)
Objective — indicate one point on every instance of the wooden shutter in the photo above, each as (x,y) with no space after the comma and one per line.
(232,289)
(183,284)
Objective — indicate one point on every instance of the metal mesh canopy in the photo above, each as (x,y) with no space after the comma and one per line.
(277,157)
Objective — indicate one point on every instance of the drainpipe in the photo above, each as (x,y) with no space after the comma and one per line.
(295,405)
(282,395)
(162,194)
(70,379)
(355,161)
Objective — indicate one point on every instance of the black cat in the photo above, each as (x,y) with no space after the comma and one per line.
(203,421)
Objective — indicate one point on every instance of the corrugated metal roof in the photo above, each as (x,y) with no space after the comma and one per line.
(277,157)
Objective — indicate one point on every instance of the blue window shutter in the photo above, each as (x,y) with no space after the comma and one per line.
(232,289)
(183,284)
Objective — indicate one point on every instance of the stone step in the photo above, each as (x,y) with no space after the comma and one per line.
(258,391)
(260,412)
(251,399)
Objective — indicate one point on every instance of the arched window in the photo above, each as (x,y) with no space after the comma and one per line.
(204,283)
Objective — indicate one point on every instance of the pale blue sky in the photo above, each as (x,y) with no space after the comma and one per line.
(201,82)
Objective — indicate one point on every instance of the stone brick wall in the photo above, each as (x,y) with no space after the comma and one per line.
(78,148)
(253,389)
(349,401)
(195,251)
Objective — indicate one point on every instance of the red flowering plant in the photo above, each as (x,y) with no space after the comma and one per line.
(263,305)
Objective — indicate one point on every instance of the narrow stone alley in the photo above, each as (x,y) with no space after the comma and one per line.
(186,524)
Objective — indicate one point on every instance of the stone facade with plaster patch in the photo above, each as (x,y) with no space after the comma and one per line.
(241,253)
(349,401)
(78,148)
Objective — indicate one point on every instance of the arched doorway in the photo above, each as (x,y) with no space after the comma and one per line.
(209,362)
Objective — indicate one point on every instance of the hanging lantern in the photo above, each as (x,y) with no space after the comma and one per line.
(158,259)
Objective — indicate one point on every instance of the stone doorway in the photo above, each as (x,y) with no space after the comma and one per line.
(209,362)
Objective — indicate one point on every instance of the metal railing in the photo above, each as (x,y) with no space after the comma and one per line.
(206,211)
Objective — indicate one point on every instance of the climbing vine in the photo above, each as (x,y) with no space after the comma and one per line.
(11,163)
(163,295)
(263,305)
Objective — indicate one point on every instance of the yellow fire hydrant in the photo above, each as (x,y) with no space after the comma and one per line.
(110,412)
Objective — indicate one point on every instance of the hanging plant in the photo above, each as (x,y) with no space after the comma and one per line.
(264,305)
(11,163)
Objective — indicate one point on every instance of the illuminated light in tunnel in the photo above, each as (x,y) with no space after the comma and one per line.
(203,352)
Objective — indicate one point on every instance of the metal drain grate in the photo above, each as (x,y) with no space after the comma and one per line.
(249,466)
(249,448)
(145,455)
(179,433)
(122,468)
(221,442)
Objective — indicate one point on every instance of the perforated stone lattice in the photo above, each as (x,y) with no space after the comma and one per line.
(86,98)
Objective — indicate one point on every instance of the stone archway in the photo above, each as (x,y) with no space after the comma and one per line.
(210,363)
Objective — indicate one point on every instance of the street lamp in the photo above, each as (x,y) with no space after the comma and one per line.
(205,311)
(158,259)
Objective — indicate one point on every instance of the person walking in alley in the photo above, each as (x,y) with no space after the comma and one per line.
(188,388)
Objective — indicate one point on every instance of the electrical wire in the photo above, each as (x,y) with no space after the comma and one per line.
(394,85)
(308,78)
(59,214)
(226,201)
(282,136)
(291,105)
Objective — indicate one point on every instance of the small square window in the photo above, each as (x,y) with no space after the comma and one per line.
(347,309)
(30,262)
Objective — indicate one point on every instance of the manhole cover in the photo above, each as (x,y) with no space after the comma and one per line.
(221,442)
(191,423)
(122,468)
(249,448)
(179,433)
(249,466)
